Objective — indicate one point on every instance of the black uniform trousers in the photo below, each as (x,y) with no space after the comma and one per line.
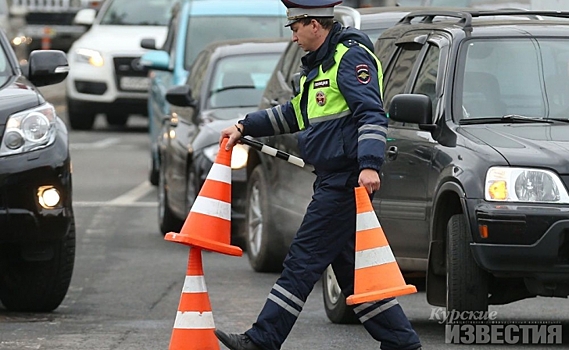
(327,236)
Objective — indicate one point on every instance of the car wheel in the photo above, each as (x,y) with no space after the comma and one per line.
(192,187)
(167,221)
(467,283)
(117,119)
(264,248)
(154,172)
(37,285)
(79,116)
(335,302)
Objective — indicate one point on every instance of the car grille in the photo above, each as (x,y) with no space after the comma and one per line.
(130,74)
(50,18)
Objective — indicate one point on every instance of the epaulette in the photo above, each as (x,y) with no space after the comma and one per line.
(350,42)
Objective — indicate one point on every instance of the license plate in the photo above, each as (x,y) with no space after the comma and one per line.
(135,83)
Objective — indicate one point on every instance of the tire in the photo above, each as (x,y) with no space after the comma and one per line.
(192,187)
(154,173)
(467,283)
(264,248)
(41,285)
(79,116)
(117,119)
(335,302)
(167,221)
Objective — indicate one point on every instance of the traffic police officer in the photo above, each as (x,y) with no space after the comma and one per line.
(342,130)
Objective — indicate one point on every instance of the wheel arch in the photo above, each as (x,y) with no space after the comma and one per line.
(449,200)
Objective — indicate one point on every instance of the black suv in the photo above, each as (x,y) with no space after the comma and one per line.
(476,176)
(37,229)
(474,191)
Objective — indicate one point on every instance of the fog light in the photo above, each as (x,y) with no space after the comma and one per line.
(48,196)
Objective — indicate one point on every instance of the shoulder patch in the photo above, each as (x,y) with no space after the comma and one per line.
(362,73)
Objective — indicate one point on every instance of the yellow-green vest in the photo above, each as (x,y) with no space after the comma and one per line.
(335,105)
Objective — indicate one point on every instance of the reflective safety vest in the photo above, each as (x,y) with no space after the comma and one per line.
(331,104)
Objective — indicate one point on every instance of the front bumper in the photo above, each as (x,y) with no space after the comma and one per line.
(22,219)
(102,86)
(523,240)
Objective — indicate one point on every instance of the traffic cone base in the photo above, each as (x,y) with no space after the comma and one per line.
(377,275)
(380,295)
(208,225)
(204,243)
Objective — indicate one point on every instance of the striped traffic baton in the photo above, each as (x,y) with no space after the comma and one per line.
(273,151)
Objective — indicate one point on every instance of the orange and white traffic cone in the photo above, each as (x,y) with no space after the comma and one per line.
(194,326)
(208,225)
(377,275)
(46,39)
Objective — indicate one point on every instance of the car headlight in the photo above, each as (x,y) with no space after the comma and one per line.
(239,155)
(29,130)
(93,57)
(524,185)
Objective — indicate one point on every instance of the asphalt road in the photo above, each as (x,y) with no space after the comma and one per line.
(127,279)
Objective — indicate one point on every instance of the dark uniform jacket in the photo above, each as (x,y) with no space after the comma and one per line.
(348,144)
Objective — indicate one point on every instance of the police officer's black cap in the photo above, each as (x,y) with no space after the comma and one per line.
(299,9)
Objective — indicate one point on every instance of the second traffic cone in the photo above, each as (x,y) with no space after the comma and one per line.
(377,275)
(208,225)
(194,326)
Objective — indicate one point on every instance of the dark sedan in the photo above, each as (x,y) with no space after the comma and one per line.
(227,80)
(37,227)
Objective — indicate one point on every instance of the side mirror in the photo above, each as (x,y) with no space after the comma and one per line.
(46,67)
(180,96)
(412,108)
(148,43)
(295,82)
(85,17)
(156,59)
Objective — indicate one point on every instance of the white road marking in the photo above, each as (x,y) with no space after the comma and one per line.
(104,143)
(129,199)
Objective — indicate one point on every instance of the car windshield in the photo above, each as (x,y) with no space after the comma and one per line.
(203,30)
(130,12)
(239,81)
(522,77)
(5,68)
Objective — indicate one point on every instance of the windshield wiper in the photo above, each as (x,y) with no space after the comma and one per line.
(508,118)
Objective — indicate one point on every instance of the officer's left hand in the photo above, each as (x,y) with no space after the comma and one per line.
(369,178)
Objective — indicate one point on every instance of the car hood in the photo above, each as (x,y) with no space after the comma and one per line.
(16,94)
(110,38)
(219,119)
(543,145)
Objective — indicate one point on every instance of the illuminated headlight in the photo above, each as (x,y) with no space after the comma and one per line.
(524,185)
(48,197)
(29,130)
(239,155)
(92,57)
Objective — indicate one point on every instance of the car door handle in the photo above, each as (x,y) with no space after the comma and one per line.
(274,103)
(392,152)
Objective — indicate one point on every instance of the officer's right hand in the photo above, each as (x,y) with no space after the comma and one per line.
(233,134)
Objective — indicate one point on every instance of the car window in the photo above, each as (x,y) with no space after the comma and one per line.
(397,79)
(130,12)
(426,83)
(533,81)
(203,30)
(5,69)
(239,81)
(198,72)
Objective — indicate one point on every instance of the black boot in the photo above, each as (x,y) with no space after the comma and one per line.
(236,341)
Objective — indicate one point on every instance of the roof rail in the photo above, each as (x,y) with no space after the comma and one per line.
(465,16)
